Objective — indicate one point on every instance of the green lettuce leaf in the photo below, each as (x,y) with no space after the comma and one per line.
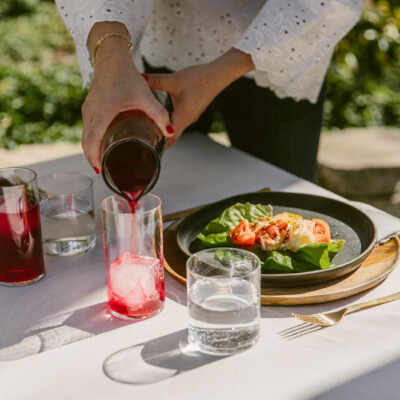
(278,261)
(232,216)
(310,257)
(319,254)
(215,239)
(225,257)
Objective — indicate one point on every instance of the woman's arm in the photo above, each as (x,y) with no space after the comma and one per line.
(193,89)
(229,67)
(117,86)
(103,28)
(80,17)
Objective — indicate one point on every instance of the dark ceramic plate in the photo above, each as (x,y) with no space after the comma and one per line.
(346,222)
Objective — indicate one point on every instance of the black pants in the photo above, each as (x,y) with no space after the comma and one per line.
(282,132)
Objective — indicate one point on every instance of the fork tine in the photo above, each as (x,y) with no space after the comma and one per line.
(305,318)
(325,320)
(315,321)
(307,321)
(312,319)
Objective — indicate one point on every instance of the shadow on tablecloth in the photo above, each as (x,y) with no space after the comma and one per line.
(59,330)
(155,360)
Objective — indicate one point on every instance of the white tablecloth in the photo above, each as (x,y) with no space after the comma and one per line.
(57,340)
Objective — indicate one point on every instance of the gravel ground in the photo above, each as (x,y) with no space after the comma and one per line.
(35,153)
(352,148)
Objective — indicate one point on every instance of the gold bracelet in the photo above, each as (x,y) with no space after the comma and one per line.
(103,38)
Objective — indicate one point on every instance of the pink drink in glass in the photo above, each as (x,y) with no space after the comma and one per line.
(135,287)
(133,246)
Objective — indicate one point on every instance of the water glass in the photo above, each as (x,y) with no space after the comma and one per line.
(133,246)
(223,292)
(21,255)
(66,206)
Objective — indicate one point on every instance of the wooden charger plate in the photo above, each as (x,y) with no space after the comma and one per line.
(379,264)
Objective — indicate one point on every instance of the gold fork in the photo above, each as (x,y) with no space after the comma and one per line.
(333,318)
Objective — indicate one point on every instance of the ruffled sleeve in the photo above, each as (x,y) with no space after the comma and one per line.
(80,15)
(291,43)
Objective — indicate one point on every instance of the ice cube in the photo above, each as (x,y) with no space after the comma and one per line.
(121,283)
(124,273)
(136,297)
(148,280)
(133,276)
(142,260)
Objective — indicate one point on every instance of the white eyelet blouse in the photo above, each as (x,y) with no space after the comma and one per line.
(290,41)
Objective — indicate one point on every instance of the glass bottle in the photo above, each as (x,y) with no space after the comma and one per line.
(131,152)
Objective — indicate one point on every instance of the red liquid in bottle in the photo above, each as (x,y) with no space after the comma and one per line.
(131,165)
(131,154)
(21,257)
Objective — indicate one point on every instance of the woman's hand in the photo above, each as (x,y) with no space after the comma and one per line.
(194,88)
(117,86)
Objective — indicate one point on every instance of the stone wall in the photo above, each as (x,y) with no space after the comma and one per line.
(362,164)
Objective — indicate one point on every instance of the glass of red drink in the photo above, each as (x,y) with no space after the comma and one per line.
(133,247)
(21,254)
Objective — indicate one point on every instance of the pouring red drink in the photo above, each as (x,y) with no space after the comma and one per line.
(131,161)
(133,246)
(131,154)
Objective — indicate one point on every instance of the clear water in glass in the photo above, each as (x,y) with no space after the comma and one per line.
(223,301)
(67,230)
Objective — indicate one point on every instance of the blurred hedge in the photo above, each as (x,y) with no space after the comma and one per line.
(40,84)
(364,76)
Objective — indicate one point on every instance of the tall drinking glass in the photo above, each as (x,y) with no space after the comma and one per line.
(223,287)
(66,205)
(133,246)
(21,255)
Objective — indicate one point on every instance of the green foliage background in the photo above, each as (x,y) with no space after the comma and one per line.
(364,76)
(40,85)
(41,92)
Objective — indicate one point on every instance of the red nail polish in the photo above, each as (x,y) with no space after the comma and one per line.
(145,77)
(170,129)
(96,170)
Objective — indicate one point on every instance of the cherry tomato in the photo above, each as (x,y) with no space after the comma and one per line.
(242,235)
(321,231)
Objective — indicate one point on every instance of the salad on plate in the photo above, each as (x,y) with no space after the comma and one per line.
(285,242)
